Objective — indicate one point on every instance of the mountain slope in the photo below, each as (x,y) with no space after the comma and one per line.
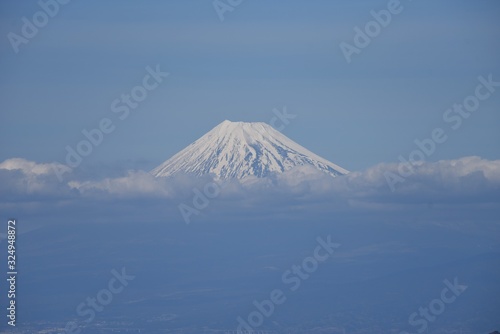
(240,149)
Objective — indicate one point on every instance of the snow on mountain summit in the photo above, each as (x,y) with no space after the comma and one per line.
(240,149)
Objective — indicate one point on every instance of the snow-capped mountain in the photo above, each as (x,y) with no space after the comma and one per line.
(240,149)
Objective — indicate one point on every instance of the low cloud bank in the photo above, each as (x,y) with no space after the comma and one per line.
(469,181)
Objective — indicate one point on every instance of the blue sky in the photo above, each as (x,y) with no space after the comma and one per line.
(264,55)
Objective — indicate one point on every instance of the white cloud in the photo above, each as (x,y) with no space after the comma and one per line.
(469,182)
(21,179)
(466,176)
(32,168)
(133,184)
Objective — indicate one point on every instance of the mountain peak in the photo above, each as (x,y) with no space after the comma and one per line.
(240,149)
(242,125)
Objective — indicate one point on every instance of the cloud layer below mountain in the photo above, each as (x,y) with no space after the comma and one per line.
(469,186)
